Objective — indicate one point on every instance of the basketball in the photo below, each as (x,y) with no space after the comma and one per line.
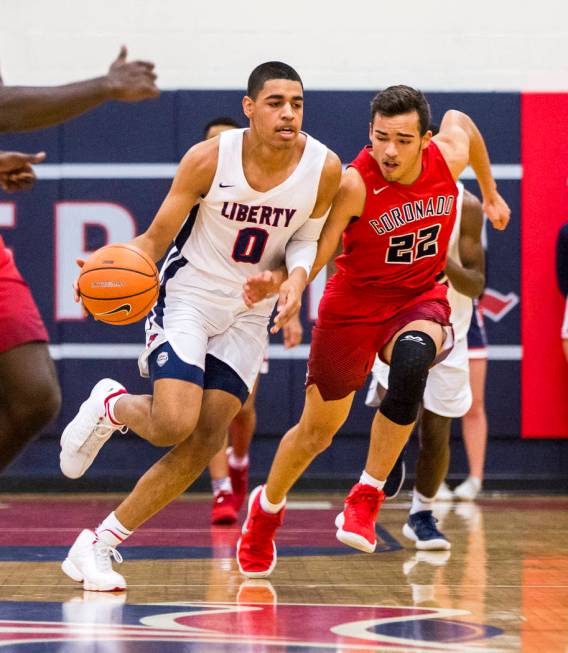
(119,284)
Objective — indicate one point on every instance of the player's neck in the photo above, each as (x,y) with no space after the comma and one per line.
(266,166)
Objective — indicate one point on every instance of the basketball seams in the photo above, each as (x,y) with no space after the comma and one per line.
(112,299)
(143,274)
(128,271)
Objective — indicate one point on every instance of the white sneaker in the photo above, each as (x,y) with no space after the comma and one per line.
(468,490)
(444,493)
(89,429)
(88,561)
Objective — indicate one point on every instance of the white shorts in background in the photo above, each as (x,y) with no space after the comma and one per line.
(447,392)
(201,324)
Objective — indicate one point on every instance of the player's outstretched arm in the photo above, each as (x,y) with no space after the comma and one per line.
(461,143)
(302,247)
(192,180)
(24,108)
(349,202)
(469,277)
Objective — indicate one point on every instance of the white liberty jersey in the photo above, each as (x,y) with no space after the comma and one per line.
(461,305)
(238,231)
(232,233)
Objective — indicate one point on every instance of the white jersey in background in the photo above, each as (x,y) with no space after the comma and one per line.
(461,305)
(232,233)
(447,391)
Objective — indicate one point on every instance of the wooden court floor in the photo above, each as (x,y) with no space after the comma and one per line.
(502,587)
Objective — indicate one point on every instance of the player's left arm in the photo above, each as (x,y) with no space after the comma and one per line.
(461,143)
(302,247)
(469,277)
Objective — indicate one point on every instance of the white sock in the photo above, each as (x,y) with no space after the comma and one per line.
(367,479)
(111,531)
(238,463)
(110,408)
(221,485)
(272,508)
(420,502)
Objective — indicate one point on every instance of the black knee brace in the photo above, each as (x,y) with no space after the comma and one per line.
(412,355)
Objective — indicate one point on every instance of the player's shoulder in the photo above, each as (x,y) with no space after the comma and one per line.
(332,165)
(471,201)
(471,204)
(202,156)
(352,181)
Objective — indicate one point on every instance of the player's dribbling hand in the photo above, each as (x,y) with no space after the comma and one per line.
(497,210)
(132,81)
(77,296)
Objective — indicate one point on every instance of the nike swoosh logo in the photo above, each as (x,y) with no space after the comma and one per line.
(376,191)
(118,309)
(226,185)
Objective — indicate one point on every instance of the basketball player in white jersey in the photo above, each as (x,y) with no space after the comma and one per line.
(250,201)
(448,393)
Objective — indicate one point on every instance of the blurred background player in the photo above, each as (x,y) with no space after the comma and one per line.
(447,394)
(474,422)
(562,278)
(29,390)
(229,468)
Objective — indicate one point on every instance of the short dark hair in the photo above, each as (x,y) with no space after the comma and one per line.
(220,120)
(395,100)
(270,70)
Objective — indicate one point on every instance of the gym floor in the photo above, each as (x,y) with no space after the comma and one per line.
(502,587)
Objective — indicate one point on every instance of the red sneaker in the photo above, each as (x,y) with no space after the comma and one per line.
(356,524)
(239,481)
(256,550)
(223,510)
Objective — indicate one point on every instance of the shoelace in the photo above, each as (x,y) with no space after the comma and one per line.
(103,554)
(371,499)
(426,527)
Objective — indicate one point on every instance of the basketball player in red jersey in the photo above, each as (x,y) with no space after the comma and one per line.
(29,390)
(396,208)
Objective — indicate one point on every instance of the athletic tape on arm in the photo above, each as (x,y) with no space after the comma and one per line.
(302,247)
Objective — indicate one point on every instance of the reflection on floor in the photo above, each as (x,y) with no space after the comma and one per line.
(502,587)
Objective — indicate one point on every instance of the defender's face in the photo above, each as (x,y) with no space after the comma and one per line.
(397,146)
(276,114)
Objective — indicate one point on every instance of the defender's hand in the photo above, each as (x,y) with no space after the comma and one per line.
(289,304)
(292,332)
(132,81)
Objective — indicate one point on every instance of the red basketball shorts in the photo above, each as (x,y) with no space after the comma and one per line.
(20,321)
(354,325)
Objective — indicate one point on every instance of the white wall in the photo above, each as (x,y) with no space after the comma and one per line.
(366,44)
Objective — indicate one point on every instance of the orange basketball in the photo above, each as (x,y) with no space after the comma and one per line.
(119,284)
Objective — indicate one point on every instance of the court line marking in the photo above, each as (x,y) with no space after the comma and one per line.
(54,171)
(291,585)
(104,351)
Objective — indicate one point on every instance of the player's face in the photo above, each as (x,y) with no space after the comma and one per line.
(215,130)
(276,114)
(397,146)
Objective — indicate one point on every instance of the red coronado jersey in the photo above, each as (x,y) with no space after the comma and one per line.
(399,243)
